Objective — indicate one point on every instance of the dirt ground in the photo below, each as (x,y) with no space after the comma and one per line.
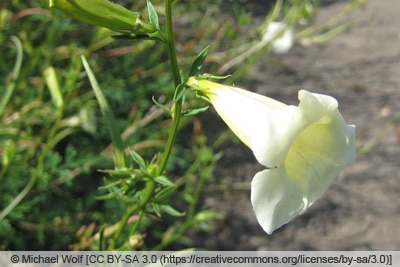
(361,210)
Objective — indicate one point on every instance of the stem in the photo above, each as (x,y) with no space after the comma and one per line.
(191,210)
(172,133)
(10,86)
(140,205)
(177,80)
(171,43)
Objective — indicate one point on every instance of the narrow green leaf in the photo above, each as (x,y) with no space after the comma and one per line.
(101,238)
(198,62)
(162,106)
(138,159)
(110,195)
(171,211)
(156,208)
(164,193)
(163,180)
(108,115)
(179,92)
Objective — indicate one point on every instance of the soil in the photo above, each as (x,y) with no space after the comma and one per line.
(361,209)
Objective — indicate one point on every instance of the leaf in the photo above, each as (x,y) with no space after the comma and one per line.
(153,17)
(198,62)
(164,193)
(179,92)
(162,106)
(156,208)
(108,116)
(138,159)
(101,237)
(171,211)
(163,180)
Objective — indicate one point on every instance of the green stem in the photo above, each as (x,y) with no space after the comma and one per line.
(137,223)
(171,43)
(191,210)
(177,81)
(10,86)
(172,133)
(138,206)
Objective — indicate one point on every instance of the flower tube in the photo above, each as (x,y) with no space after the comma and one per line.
(303,148)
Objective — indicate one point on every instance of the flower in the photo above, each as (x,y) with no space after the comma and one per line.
(280,36)
(303,148)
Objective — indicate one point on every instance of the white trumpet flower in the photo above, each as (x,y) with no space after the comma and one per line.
(280,36)
(303,148)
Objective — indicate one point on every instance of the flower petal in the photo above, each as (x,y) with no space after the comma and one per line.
(280,194)
(279,130)
(275,198)
(308,146)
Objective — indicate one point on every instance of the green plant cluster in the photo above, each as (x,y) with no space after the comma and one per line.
(54,141)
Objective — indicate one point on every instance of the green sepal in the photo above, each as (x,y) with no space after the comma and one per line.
(153,17)
(207,76)
(191,112)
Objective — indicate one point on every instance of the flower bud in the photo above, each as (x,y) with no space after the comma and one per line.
(105,14)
